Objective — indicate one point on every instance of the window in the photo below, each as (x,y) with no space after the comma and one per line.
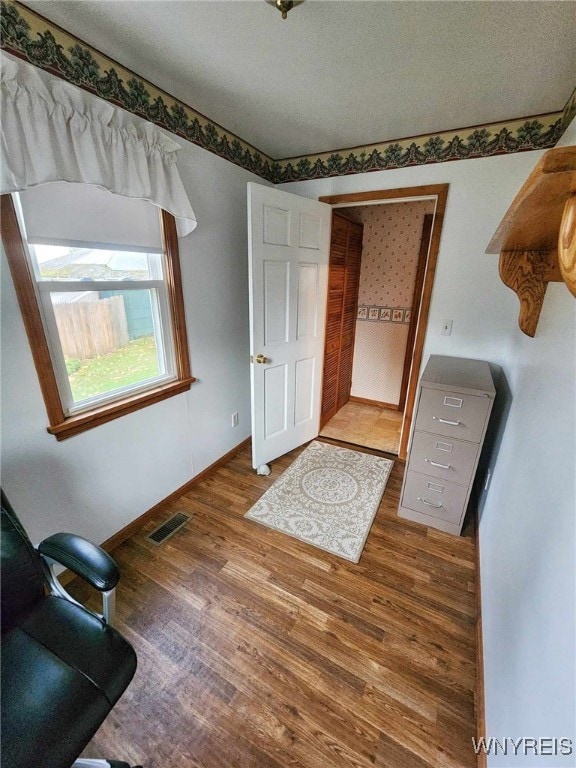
(98,282)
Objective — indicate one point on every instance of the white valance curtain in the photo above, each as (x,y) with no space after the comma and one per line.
(54,131)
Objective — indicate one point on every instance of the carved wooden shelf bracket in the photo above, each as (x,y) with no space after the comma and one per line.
(536,239)
(528,274)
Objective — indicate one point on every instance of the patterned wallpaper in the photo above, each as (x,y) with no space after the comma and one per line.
(378,361)
(390,248)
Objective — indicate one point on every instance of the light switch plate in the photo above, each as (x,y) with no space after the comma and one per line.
(446,328)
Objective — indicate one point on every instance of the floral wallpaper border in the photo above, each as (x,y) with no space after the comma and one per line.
(539,132)
(30,36)
(384,314)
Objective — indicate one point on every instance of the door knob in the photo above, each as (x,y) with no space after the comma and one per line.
(262,359)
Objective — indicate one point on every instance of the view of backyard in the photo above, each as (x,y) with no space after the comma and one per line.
(135,362)
(108,336)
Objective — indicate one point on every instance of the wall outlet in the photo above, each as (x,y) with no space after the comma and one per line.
(235,419)
(446,328)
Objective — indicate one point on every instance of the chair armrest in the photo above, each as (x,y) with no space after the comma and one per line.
(82,558)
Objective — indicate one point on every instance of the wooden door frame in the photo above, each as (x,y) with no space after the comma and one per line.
(406,194)
(415,306)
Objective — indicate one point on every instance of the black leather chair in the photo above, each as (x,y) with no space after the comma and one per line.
(63,667)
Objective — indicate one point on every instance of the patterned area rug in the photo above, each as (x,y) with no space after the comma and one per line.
(328,497)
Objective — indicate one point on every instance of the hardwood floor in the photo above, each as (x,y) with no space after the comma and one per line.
(367,425)
(256,650)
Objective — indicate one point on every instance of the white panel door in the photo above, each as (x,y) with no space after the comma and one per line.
(288,246)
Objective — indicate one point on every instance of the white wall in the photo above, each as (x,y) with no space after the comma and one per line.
(97,482)
(528,540)
(527,535)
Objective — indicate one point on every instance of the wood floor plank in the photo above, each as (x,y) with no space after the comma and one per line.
(256,650)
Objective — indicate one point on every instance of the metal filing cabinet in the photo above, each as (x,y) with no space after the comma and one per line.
(455,398)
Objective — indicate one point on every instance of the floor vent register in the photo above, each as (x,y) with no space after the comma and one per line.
(169,528)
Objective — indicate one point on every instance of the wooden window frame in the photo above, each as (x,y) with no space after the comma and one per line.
(61,425)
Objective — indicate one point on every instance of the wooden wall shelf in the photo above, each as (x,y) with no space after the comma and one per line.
(536,238)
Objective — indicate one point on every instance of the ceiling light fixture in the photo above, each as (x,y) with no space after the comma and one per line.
(284,5)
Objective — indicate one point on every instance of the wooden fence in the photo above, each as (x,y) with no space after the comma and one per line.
(91,328)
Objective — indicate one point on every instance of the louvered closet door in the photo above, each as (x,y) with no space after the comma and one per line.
(336,275)
(343,278)
(349,312)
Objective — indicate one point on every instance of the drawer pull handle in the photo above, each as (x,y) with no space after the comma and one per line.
(429,503)
(445,421)
(436,464)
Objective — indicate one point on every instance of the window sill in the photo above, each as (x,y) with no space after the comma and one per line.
(74,425)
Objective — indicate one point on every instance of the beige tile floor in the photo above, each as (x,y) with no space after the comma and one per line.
(366,425)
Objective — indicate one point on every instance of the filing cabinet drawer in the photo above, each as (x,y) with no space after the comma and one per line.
(453,414)
(434,497)
(443,457)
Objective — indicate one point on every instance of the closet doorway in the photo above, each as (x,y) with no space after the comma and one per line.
(382,262)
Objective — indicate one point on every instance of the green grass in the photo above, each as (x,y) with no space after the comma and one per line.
(135,362)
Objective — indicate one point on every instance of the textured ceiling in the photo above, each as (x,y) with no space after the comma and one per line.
(339,73)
